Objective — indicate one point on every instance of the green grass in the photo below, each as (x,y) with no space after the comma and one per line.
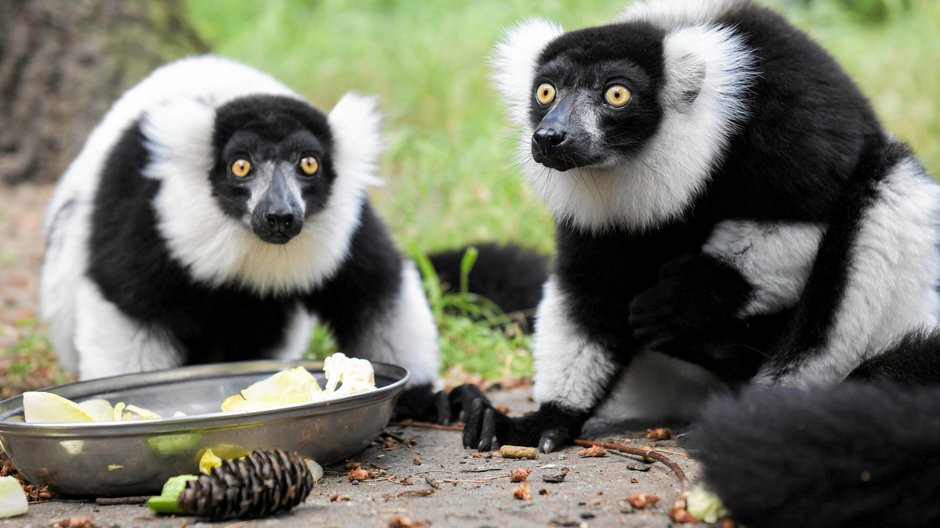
(450,173)
(29,363)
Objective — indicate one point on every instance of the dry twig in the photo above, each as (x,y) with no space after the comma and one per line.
(426,425)
(678,513)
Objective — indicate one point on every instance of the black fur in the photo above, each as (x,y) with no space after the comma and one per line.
(851,455)
(912,361)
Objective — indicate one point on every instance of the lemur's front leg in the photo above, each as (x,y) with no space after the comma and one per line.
(705,307)
(573,374)
(692,296)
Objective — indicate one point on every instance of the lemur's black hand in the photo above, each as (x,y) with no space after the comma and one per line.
(693,294)
(484,427)
(423,404)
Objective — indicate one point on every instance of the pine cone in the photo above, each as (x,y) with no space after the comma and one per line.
(261,484)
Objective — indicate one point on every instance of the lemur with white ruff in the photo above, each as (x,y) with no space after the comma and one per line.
(729,211)
(210,215)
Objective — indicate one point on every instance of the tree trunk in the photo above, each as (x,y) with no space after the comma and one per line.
(63,62)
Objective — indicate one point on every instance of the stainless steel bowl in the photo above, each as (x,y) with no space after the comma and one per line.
(109,459)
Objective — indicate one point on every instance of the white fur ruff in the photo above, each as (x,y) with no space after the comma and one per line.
(218,249)
(514,61)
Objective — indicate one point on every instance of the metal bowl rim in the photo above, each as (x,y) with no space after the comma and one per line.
(220,419)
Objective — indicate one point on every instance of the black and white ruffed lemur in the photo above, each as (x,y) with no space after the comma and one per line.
(210,216)
(730,214)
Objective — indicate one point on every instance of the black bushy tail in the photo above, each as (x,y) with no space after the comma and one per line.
(509,275)
(862,453)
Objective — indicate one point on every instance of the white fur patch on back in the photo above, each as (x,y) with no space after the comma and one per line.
(569,366)
(661,181)
(111,343)
(514,61)
(671,14)
(62,268)
(406,334)
(775,259)
(892,284)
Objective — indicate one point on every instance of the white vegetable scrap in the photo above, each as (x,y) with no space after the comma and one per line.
(345,376)
(705,505)
(355,375)
(41,406)
(12,498)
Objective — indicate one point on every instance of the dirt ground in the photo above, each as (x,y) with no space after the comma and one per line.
(22,209)
(469,488)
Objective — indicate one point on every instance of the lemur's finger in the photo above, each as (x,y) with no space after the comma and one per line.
(547,444)
(473,424)
(442,407)
(553,439)
(487,430)
(461,398)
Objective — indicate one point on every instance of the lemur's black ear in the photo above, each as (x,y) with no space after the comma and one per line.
(515,59)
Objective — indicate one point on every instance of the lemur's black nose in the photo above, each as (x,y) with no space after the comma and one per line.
(546,139)
(281,220)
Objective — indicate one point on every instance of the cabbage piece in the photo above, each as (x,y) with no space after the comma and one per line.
(100,409)
(12,498)
(705,505)
(49,407)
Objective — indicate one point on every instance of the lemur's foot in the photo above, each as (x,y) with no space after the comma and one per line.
(548,428)
(422,403)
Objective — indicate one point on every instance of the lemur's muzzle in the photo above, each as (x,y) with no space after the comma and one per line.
(278,217)
(556,141)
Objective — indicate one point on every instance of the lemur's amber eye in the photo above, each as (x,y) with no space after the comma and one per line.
(545,94)
(241,168)
(309,165)
(617,96)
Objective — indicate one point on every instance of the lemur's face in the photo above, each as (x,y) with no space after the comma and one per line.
(594,97)
(273,168)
